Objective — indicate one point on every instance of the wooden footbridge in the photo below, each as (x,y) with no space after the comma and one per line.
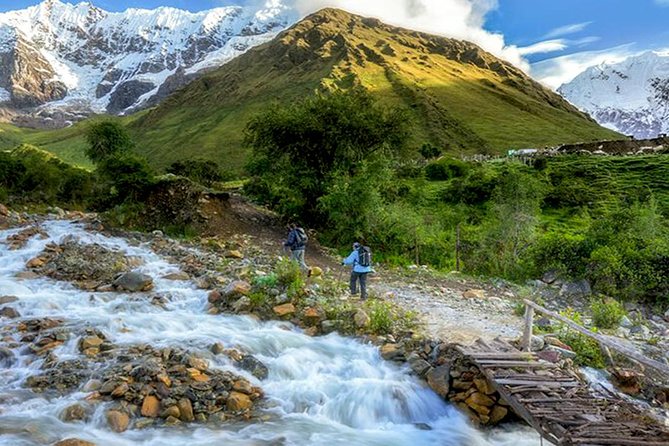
(557,402)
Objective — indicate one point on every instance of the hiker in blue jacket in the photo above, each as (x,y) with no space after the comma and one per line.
(297,243)
(360,259)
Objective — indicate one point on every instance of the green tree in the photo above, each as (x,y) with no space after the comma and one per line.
(106,138)
(512,230)
(126,176)
(298,150)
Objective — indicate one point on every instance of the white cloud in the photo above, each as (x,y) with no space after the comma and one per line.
(662,2)
(568,29)
(547,46)
(557,71)
(459,19)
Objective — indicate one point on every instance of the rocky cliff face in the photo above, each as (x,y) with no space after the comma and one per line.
(60,61)
(631,96)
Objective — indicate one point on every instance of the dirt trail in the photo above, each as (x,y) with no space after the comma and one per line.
(446,314)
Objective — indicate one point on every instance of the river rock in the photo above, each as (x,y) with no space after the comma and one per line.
(242,305)
(563,352)
(361,318)
(74,412)
(418,364)
(150,406)
(484,386)
(9,312)
(243,386)
(474,294)
(133,282)
(316,271)
(666,316)
(391,352)
(7,358)
(640,331)
(74,442)
(284,310)
(253,366)
(236,289)
(555,342)
(497,414)
(238,401)
(438,379)
(118,421)
(313,316)
(177,276)
(234,254)
(217,348)
(550,276)
(172,411)
(580,288)
(537,343)
(8,300)
(198,363)
(625,322)
(92,385)
(186,410)
(120,390)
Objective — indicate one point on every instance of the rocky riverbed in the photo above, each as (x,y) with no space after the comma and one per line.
(116,340)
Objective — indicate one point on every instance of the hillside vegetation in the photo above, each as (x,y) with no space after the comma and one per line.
(457,96)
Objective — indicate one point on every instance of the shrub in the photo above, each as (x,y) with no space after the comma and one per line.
(381,316)
(445,169)
(106,138)
(128,176)
(289,275)
(428,151)
(205,172)
(588,352)
(607,313)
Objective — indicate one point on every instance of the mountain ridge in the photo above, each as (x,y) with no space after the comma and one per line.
(73,60)
(631,96)
(461,97)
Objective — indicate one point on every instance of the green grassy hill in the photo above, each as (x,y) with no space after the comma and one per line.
(459,96)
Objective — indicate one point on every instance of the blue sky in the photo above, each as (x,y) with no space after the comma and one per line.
(553,40)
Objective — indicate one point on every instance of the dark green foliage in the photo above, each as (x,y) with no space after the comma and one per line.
(126,176)
(445,169)
(473,189)
(205,172)
(428,151)
(30,175)
(300,149)
(106,138)
(607,313)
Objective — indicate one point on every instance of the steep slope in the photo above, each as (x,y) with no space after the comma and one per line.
(59,62)
(461,97)
(631,97)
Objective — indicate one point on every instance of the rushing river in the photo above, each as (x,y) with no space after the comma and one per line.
(326,390)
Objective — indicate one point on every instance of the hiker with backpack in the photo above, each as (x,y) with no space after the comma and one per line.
(361,260)
(297,243)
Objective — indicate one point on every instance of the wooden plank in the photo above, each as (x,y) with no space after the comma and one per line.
(527,331)
(656,365)
(489,363)
(549,384)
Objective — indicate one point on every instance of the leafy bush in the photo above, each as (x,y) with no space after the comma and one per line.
(607,313)
(28,174)
(127,175)
(289,275)
(428,151)
(106,138)
(381,316)
(445,169)
(205,172)
(588,352)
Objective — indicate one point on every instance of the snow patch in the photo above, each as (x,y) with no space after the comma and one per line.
(4,95)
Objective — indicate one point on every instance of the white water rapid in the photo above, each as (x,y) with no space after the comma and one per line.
(326,390)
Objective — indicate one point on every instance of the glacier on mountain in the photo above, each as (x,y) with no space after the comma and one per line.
(631,97)
(91,60)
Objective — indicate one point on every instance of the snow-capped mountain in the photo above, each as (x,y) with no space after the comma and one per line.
(58,60)
(631,97)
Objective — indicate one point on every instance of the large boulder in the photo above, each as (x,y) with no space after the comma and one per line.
(133,282)
(580,288)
